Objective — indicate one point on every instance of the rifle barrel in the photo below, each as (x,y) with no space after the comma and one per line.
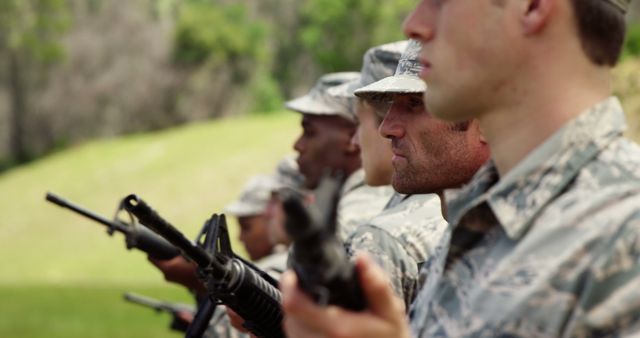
(55,199)
(142,300)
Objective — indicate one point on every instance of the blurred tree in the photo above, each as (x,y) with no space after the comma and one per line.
(338,32)
(223,49)
(28,41)
(632,43)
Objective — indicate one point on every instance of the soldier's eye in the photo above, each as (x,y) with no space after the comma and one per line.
(415,103)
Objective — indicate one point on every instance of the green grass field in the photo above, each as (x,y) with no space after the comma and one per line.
(62,276)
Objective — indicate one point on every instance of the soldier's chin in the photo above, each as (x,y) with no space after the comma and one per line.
(311,184)
(401,185)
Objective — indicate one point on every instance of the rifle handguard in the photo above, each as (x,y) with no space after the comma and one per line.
(232,282)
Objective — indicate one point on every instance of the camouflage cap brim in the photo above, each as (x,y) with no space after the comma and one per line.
(398,84)
(309,105)
(305,105)
(254,197)
(243,209)
(319,102)
(346,90)
(377,63)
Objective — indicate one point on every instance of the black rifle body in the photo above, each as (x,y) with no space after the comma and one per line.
(228,279)
(319,258)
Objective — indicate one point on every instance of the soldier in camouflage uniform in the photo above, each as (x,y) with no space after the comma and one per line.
(328,124)
(547,234)
(397,244)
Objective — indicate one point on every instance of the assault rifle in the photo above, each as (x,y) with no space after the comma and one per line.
(319,258)
(231,281)
(175,310)
(136,236)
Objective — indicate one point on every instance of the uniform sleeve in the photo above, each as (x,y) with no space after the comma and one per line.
(611,303)
(220,326)
(387,251)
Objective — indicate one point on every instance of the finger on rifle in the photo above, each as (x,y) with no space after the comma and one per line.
(235,320)
(300,307)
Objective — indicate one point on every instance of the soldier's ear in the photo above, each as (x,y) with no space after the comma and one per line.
(353,147)
(535,15)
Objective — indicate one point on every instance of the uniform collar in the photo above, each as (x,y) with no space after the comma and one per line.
(521,194)
(353,182)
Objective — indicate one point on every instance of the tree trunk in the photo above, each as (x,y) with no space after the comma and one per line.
(18,112)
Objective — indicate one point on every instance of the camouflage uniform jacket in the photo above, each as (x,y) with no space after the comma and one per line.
(359,202)
(401,238)
(550,250)
(220,326)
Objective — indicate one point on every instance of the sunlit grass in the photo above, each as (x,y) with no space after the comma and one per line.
(83,311)
(62,276)
(185,173)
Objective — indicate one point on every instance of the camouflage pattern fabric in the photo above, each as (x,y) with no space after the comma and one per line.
(405,80)
(550,250)
(318,101)
(220,326)
(401,238)
(359,202)
(377,63)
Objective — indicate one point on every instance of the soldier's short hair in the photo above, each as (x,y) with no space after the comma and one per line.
(601,28)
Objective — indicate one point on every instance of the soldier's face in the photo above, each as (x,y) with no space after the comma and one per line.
(470,54)
(255,236)
(276,220)
(429,154)
(325,144)
(375,151)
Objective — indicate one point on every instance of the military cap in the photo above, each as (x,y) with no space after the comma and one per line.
(378,63)
(254,197)
(405,80)
(623,5)
(319,102)
(287,175)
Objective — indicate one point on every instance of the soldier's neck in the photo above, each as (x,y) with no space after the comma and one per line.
(515,129)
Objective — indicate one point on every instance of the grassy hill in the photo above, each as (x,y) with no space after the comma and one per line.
(62,276)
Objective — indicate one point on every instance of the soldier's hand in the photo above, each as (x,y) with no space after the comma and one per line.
(185,316)
(385,316)
(179,270)
(237,322)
